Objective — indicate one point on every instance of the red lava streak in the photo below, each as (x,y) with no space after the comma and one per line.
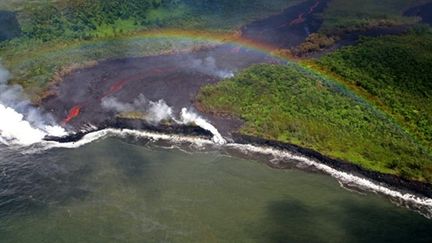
(301,17)
(114,88)
(74,112)
(117,86)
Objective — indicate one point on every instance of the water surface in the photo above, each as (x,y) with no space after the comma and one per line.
(116,190)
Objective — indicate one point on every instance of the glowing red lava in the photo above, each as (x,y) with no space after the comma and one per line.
(73,112)
(114,88)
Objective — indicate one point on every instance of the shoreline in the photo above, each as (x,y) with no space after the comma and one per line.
(417,187)
(134,124)
(381,179)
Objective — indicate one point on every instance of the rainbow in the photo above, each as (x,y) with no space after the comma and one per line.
(309,69)
(235,39)
(219,38)
(158,34)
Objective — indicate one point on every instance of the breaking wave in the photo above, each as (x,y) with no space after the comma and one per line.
(418,203)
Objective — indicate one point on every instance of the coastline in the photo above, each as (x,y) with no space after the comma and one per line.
(417,187)
(382,179)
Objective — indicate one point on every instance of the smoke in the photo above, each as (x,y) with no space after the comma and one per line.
(113,104)
(154,112)
(159,111)
(14,129)
(208,66)
(20,122)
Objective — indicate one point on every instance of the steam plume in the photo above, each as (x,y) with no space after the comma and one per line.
(20,122)
(208,66)
(155,112)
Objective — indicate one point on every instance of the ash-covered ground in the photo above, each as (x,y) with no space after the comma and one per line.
(93,95)
(289,28)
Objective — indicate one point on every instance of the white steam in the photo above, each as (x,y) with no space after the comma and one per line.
(113,104)
(208,66)
(14,129)
(20,122)
(155,112)
(159,111)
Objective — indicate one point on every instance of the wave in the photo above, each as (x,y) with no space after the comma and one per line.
(421,204)
(112,132)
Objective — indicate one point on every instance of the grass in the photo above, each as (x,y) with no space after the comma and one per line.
(289,104)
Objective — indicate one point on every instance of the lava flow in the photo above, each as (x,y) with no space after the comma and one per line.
(114,88)
(118,86)
(300,19)
(73,112)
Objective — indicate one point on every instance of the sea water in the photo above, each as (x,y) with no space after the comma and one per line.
(125,190)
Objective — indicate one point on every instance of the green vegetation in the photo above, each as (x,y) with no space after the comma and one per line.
(289,104)
(395,72)
(355,14)
(72,19)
